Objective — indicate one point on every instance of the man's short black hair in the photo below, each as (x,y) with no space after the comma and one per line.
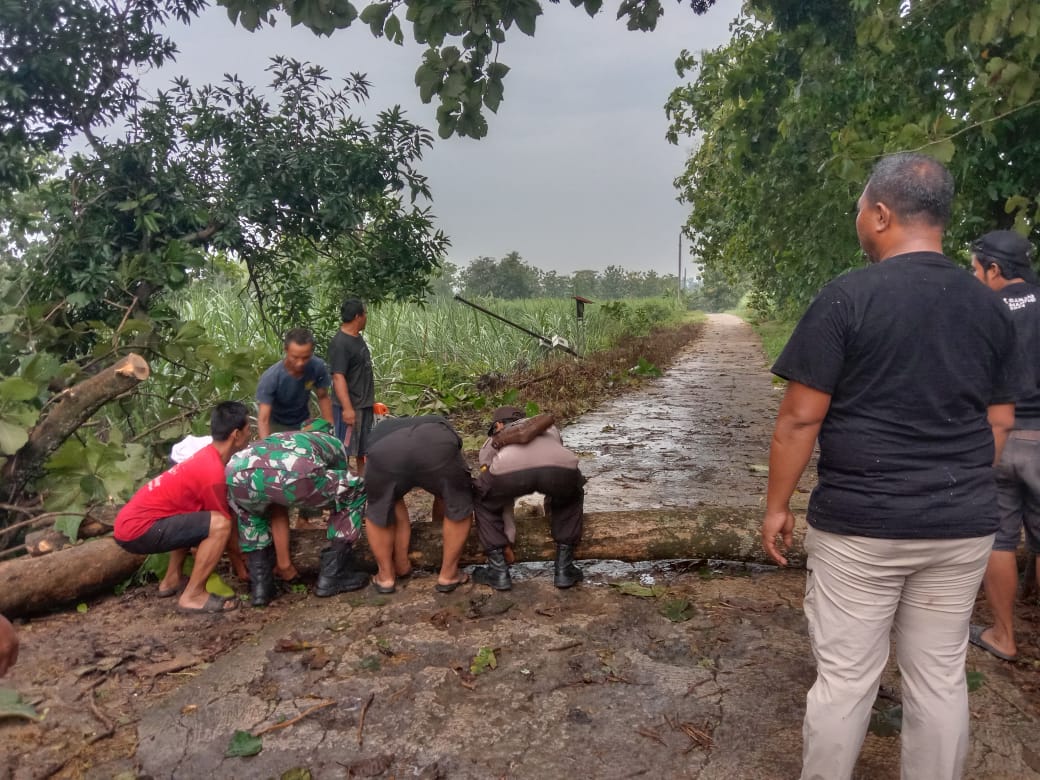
(226,418)
(301,336)
(351,308)
(915,187)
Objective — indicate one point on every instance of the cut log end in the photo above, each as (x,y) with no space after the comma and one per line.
(133,365)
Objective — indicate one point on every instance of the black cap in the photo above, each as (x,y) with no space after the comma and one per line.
(1009,250)
(505,414)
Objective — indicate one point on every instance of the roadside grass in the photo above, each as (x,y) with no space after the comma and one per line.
(445,357)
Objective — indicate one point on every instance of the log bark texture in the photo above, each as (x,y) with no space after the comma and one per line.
(30,585)
(68,411)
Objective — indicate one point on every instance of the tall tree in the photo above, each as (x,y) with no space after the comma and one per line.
(794,110)
(311,200)
(613,283)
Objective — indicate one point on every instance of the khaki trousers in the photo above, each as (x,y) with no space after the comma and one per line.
(858,591)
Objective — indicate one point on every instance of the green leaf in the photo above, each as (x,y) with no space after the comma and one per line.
(12,706)
(676,610)
(82,608)
(428,80)
(592,7)
(370,663)
(243,744)
(635,589)
(493,95)
(525,16)
(12,438)
(392,30)
(69,525)
(497,70)
(15,388)
(296,773)
(943,151)
(375,17)
(886,723)
(975,680)
(483,660)
(218,587)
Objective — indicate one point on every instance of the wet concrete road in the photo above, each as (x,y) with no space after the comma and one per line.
(698,435)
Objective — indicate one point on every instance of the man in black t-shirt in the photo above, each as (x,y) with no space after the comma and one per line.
(1002,261)
(353,381)
(907,372)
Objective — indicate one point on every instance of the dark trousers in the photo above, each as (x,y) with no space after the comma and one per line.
(564,502)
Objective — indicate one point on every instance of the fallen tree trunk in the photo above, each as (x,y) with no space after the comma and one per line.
(68,411)
(30,585)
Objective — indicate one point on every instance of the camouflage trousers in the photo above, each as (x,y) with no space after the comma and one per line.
(252,491)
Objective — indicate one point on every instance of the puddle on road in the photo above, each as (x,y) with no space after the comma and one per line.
(604,572)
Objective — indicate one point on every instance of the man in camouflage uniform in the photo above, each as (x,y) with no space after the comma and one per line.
(303,469)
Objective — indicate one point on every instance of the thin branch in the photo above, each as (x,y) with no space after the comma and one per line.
(122,322)
(39,520)
(953,135)
(361,720)
(298,718)
(16,508)
(201,235)
(164,423)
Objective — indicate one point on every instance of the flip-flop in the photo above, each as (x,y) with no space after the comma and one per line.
(384,590)
(165,593)
(975,637)
(448,587)
(213,604)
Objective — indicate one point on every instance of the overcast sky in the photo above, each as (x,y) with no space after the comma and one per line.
(574,172)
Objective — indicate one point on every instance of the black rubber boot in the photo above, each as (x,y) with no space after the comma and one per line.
(496,573)
(261,576)
(565,572)
(337,574)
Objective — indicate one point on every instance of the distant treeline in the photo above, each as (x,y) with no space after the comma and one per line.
(512,278)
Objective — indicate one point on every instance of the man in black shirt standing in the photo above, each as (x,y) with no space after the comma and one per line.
(906,371)
(1002,261)
(353,381)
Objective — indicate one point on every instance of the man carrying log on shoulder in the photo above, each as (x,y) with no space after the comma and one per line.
(522,456)
(187,507)
(307,470)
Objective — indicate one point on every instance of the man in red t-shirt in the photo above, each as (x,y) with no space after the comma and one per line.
(187,507)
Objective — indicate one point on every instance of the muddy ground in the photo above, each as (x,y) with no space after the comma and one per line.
(681,669)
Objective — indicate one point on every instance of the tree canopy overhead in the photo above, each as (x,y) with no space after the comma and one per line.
(793,112)
(460,66)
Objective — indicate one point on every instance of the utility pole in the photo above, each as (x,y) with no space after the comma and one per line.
(678,276)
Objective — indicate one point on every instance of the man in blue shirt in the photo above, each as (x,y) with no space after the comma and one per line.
(284,392)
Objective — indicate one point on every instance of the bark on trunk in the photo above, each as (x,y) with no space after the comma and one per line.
(29,585)
(70,410)
(34,584)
